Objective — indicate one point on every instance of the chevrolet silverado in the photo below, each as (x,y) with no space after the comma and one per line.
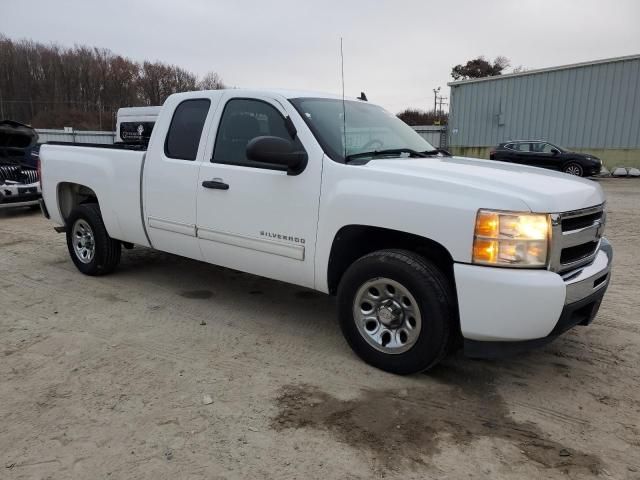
(426,252)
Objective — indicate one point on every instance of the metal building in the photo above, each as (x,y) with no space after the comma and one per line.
(587,107)
(436,135)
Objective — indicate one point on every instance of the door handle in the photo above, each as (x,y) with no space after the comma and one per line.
(217,184)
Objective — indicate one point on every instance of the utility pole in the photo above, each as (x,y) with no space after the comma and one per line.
(436,91)
(441,102)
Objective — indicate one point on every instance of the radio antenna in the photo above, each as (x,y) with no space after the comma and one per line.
(344,109)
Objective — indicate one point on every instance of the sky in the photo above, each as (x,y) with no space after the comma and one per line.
(395,51)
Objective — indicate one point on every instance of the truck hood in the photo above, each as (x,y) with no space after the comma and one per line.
(542,190)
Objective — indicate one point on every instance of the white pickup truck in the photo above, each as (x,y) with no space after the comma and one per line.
(426,252)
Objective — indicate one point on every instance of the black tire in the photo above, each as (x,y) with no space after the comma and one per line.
(573,168)
(432,292)
(107,250)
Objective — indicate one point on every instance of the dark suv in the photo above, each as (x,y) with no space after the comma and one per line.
(547,155)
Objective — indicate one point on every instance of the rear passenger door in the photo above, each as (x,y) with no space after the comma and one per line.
(171,176)
(506,153)
(521,152)
(536,156)
(258,219)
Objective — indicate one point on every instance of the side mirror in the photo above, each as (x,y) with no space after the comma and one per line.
(555,151)
(277,151)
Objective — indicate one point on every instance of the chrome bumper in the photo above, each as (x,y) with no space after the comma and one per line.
(591,278)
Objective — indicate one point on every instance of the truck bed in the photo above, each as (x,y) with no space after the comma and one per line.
(113,172)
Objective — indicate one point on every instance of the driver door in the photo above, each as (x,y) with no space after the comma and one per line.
(254,217)
(548,159)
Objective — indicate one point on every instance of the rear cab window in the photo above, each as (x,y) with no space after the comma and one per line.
(185,130)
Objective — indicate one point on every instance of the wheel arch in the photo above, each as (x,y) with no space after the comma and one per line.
(70,195)
(354,241)
(568,161)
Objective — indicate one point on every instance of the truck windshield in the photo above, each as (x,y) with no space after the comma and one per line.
(366,128)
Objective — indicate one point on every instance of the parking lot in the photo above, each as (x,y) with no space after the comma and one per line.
(171,368)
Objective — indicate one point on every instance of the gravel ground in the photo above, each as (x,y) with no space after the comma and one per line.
(171,369)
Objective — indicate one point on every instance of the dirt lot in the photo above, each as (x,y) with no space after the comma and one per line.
(109,378)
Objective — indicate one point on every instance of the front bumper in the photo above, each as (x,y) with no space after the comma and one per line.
(592,171)
(504,311)
(19,195)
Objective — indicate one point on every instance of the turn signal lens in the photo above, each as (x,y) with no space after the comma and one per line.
(511,239)
(485,251)
(487,224)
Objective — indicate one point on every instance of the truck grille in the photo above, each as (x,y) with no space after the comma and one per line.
(574,223)
(15,173)
(577,253)
(575,238)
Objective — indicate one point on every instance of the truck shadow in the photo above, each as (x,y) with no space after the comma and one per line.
(201,287)
(198,284)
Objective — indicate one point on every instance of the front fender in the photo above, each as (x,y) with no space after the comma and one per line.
(439,211)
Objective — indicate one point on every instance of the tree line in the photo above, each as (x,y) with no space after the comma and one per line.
(50,86)
(415,116)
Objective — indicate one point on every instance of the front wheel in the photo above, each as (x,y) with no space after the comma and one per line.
(91,248)
(573,169)
(396,311)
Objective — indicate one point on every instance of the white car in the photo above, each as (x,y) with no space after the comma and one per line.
(425,251)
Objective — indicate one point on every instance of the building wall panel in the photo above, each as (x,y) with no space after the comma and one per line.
(593,105)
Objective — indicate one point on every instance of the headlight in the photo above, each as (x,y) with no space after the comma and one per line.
(511,239)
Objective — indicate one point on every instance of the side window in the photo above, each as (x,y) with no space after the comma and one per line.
(243,120)
(523,147)
(537,147)
(547,147)
(185,130)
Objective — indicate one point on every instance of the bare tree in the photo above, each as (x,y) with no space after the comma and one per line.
(211,81)
(158,80)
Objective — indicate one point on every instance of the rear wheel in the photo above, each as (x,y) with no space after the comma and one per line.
(573,169)
(91,248)
(396,311)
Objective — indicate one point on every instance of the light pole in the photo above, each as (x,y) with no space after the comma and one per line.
(436,91)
